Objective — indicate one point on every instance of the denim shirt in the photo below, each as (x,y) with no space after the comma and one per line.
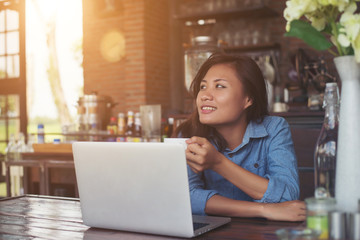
(266,150)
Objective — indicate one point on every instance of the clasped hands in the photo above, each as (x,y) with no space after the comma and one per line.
(202,155)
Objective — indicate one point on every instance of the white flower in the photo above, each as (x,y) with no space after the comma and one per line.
(350,7)
(297,8)
(338,17)
(350,32)
(340,4)
(350,25)
(317,22)
(343,40)
(356,47)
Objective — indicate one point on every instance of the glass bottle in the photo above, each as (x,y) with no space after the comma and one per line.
(326,146)
(171,126)
(137,128)
(92,126)
(21,145)
(112,126)
(112,129)
(41,132)
(19,171)
(121,128)
(81,117)
(30,142)
(11,152)
(130,126)
(164,129)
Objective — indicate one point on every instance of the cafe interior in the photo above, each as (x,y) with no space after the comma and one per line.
(138,59)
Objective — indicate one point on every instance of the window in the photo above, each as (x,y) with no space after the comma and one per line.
(13,117)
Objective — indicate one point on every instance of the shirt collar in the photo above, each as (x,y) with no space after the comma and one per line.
(255,130)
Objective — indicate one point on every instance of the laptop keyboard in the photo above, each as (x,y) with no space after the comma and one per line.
(198,225)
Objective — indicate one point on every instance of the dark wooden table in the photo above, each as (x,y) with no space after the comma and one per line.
(44,217)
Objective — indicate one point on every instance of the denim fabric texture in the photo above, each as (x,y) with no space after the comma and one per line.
(267,150)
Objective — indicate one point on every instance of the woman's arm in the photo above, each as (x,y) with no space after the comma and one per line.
(282,170)
(203,155)
(250,183)
(285,211)
(281,180)
(210,202)
(198,194)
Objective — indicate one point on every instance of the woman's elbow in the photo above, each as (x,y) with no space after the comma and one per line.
(291,193)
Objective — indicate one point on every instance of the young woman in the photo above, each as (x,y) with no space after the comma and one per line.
(241,161)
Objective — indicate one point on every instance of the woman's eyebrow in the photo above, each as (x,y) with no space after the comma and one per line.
(220,79)
(216,80)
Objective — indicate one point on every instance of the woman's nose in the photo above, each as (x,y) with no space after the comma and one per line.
(205,96)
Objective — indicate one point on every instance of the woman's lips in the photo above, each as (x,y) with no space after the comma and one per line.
(207,109)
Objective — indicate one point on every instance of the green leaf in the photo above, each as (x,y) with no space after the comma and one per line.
(308,34)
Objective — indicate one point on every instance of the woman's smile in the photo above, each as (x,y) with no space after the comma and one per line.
(207,109)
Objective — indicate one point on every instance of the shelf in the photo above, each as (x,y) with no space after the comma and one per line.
(298,118)
(100,134)
(252,12)
(252,48)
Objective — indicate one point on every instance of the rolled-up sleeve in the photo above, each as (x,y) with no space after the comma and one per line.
(198,194)
(282,171)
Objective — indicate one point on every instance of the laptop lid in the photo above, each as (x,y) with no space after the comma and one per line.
(139,187)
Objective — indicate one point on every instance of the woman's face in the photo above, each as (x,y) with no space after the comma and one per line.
(221,100)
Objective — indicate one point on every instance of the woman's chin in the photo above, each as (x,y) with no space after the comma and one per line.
(208,121)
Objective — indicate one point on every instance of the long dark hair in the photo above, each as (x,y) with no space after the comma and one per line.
(249,73)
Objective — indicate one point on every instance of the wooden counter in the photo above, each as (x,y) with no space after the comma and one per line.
(41,217)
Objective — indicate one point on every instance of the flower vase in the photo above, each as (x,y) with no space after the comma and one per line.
(347,180)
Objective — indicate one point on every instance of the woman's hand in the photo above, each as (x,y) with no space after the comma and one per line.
(202,155)
(285,211)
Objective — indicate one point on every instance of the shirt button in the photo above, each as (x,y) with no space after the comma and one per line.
(256,165)
(231,155)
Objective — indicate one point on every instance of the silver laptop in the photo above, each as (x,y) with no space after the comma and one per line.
(137,187)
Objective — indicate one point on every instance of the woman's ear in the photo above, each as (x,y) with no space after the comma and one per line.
(249,102)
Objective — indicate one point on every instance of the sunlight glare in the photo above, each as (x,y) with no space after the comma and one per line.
(67,15)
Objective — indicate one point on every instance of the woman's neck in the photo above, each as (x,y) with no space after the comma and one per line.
(233,133)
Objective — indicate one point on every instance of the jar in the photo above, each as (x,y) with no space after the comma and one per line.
(317,210)
(201,49)
(96,107)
